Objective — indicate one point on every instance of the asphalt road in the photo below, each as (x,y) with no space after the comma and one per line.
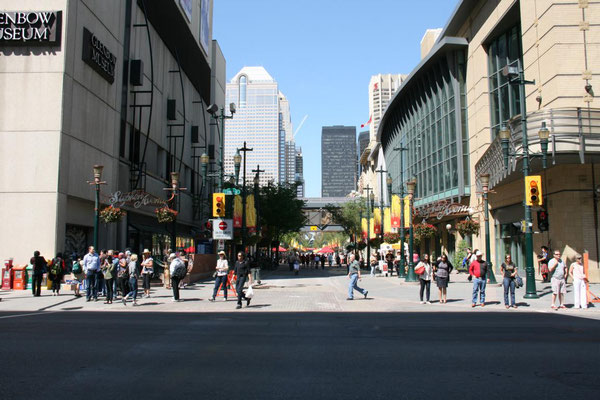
(100,355)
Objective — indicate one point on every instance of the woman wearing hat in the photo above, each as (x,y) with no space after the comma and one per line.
(221,278)
(147,271)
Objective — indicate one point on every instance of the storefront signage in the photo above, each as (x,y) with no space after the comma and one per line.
(443,209)
(135,199)
(98,56)
(27,28)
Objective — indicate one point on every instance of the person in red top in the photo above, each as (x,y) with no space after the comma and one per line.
(478,270)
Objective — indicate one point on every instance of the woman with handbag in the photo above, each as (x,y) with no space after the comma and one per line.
(425,272)
(442,271)
(509,272)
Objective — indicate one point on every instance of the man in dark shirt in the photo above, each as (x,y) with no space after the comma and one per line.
(242,269)
(39,264)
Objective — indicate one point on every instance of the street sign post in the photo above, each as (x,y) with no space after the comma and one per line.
(222,229)
(232,191)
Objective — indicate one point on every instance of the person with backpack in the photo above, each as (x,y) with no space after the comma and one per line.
(77,271)
(56,273)
(442,270)
(178,271)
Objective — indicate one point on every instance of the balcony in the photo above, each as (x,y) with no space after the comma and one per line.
(574,138)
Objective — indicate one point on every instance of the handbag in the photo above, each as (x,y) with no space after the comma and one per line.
(420,270)
(518,281)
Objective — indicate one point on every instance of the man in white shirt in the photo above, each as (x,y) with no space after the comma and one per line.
(557,267)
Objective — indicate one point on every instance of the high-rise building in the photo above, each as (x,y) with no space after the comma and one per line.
(299,175)
(263,121)
(338,160)
(381,89)
(363,142)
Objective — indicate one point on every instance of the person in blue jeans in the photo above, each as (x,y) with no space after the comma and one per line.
(133,280)
(509,272)
(478,271)
(91,266)
(354,275)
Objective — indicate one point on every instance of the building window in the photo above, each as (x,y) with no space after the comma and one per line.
(243,87)
(504,98)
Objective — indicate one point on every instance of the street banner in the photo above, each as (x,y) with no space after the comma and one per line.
(372,234)
(237,211)
(396,210)
(363,224)
(407,211)
(377,216)
(250,214)
(387,220)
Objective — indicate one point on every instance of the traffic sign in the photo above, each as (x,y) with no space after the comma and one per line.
(314,228)
(232,191)
(222,229)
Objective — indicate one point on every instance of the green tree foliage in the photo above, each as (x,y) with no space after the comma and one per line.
(348,216)
(280,211)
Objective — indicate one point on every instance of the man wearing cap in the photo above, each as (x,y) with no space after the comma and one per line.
(221,278)
(478,270)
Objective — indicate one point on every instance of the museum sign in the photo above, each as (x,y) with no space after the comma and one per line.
(30,28)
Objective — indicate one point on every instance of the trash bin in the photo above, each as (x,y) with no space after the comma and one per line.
(29,276)
(20,277)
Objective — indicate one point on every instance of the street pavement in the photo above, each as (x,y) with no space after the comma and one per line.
(298,339)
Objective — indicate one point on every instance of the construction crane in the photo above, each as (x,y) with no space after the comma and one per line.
(300,126)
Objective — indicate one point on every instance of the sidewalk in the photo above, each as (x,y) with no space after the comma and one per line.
(311,291)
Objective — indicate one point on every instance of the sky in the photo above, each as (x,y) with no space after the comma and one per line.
(323,53)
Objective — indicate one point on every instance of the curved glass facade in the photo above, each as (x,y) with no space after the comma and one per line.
(428,118)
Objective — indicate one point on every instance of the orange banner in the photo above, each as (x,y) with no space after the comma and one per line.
(363,224)
(396,210)
(237,211)
(377,217)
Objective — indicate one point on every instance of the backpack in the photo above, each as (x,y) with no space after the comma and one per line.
(77,268)
(56,268)
(180,270)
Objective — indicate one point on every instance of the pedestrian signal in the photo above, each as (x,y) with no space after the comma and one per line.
(542,220)
(533,190)
(218,204)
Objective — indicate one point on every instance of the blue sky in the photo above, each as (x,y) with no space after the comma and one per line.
(323,53)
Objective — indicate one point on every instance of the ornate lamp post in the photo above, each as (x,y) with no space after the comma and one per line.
(212,110)
(381,171)
(174,189)
(237,160)
(411,276)
(97,182)
(368,195)
(244,149)
(543,134)
(401,149)
(485,183)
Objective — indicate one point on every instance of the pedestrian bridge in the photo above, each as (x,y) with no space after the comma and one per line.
(317,217)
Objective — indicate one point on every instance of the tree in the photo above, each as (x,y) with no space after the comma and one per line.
(280,212)
(348,216)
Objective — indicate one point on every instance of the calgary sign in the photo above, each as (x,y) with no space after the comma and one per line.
(135,199)
(443,209)
(27,28)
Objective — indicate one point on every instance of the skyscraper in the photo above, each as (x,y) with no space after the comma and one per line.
(338,160)
(262,121)
(299,175)
(363,142)
(381,89)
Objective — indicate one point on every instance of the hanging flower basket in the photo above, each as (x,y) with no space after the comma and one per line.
(375,242)
(468,227)
(165,214)
(391,237)
(361,245)
(424,231)
(111,214)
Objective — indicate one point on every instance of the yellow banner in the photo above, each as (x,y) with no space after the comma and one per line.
(387,220)
(372,234)
(363,224)
(377,217)
(396,210)
(237,211)
(407,211)
(250,213)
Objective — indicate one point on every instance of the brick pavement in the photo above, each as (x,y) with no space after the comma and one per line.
(310,291)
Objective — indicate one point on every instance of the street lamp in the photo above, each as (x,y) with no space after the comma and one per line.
(401,149)
(484,179)
(97,182)
(174,189)
(381,171)
(212,110)
(256,196)
(368,195)
(516,76)
(411,276)
(237,160)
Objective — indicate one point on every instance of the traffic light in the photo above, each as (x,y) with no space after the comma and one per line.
(542,220)
(533,190)
(218,204)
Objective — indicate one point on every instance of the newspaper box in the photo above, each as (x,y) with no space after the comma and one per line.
(20,277)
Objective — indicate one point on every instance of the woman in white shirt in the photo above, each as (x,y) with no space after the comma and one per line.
(577,273)
(221,278)
(425,277)
(147,271)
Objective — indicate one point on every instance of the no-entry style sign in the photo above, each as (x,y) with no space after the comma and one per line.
(222,229)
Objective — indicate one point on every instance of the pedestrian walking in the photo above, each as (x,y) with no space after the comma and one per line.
(132,272)
(577,273)
(478,272)
(39,265)
(147,271)
(373,264)
(108,272)
(442,271)
(91,266)
(543,260)
(77,271)
(57,270)
(425,270)
(123,277)
(389,259)
(354,275)
(221,278)
(557,269)
(242,269)
(178,271)
(101,290)
(466,261)
(509,272)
